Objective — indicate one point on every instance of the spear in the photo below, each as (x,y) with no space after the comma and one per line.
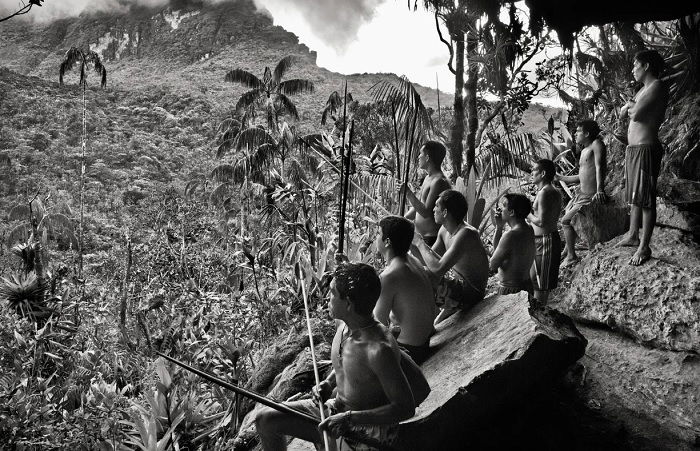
(344,194)
(280,407)
(341,218)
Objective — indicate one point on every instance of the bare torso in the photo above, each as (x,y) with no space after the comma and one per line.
(547,206)
(413,303)
(644,125)
(474,262)
(586,172)
(358,387)
(516,267)
(425,225)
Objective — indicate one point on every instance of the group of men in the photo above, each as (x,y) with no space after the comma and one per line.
(434,260)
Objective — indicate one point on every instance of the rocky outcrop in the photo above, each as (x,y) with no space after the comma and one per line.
(485,358)
(653,394)
(597,223)
(656,303)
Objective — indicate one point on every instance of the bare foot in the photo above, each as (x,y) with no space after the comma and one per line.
(569,261)
(628,241)
(444,314)
(642,255)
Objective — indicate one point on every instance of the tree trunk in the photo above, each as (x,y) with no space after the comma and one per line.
(82,184)
(457,132)
(470,87)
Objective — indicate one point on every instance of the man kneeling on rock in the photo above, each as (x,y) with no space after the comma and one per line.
(457,262)
(406,302)
(373,394)
(514,251)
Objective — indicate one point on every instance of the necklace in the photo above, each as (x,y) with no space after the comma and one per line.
(342,342)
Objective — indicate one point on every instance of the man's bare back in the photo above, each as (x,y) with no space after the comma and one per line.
(546,207)
(519,246)
(473,262)
(353,354)
(407,300)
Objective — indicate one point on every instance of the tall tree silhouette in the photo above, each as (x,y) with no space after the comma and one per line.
(86,60)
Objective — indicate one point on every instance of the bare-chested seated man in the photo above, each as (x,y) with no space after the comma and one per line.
(591,176)
(644,151)
(373,394)
(514,251)
(544,218)
(457,262)
(430,160)
(406,301)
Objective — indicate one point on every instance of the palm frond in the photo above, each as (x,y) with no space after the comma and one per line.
(333,105)
(25,295)
(407,103)
(73,56)
(227,173)
(192,186)
(248,99)
(243,77)
(94,59)
(253,137)
(295,86)
(288,106)
(60,227)
(282,67)
(507,158)
(19,234)
(5,158)
(220,194)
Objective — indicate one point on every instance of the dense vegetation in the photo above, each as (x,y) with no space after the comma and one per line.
(198,221)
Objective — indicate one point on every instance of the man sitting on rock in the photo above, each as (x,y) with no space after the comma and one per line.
(373,394)
(457,262)
(406,300)
(644,152)
(430,159)
(591,177)
(514,251)
(544,218)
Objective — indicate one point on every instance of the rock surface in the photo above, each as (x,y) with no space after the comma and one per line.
(656,303)
(597,223)
(653,393)
(486,357)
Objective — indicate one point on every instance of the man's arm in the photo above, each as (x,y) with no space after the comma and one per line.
(647,102)
(440,265)
(385,301)
(599,154)
(538,205)
(384,363)
(503,247)
(568,178)
(426,209)
(410,214)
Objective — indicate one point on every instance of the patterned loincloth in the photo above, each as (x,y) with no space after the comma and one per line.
(642,167)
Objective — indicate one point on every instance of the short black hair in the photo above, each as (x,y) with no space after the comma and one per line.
(591,127)
(360,284)
(436,151)
(653,59)
(548,168)
(400,231)
(455,204)
(520,205)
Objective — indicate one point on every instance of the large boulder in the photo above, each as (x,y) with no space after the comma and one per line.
(653,394)
(657,303)
(597,223)
(484,358)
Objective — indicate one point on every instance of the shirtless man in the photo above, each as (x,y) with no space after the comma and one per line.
(591,176)
(644,151)
(514,251)
(544,217)
(457,262)
(430,159)
(372,396)
(406,301)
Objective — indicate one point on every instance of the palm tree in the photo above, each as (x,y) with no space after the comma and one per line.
(86,60)
(269,93)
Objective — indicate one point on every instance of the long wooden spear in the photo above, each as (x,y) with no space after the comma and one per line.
(344,194)
(341,218)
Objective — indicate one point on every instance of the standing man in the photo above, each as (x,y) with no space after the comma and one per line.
(457,262)
(514,251)
(373,395)
(644,151)
(430,159)
(406,300)
(591,176)
(544,217)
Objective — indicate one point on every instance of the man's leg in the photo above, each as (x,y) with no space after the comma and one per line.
(644,251)
(273,427)
(569,234)
(632,237)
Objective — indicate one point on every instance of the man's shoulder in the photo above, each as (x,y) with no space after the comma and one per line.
(440,180)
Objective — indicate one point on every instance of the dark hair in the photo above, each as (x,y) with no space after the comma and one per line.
(400,231)
(520,205)
(591,127)
(359,283)
(455,204)
(547,166)
(653,59)
(436,151)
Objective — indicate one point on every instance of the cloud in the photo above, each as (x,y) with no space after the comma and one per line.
(60,9)
(336,22)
